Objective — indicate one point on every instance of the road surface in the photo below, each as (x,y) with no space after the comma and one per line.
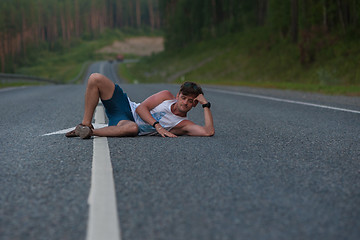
(282,165)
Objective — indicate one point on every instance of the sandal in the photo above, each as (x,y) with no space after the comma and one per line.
(71,134)
(82,131)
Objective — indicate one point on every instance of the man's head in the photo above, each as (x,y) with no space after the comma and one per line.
(187,95)
(190,89)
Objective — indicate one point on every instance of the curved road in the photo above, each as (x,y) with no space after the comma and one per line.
(282,165)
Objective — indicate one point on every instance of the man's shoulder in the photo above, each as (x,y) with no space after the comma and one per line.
(166,95)
(157,98)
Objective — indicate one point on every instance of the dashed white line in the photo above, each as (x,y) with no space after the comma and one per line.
(283,100)
(103,220)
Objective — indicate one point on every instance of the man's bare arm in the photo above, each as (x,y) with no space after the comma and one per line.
(151,102)
(189,128)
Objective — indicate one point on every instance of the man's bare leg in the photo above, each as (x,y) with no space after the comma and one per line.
(124,128)
(98,86)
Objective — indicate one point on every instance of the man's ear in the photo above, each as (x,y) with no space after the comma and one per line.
(195,103)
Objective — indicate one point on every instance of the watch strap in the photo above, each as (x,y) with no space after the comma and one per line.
(208,105)
(155,124)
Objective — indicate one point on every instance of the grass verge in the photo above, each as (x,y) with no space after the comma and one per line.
(253,59)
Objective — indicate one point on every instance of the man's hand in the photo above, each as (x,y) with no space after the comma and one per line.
(163,132)
(201,99)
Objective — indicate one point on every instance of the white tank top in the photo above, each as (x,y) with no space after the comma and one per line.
(161,113)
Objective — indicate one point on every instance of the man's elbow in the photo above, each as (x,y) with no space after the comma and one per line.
(210,133)
(139,109)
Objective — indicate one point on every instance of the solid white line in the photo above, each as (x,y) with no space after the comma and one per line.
(103,219)
(283,100)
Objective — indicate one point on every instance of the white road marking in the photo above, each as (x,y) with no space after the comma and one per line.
(283,100)
(103,219)
(63,131)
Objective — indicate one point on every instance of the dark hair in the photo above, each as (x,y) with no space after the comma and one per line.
(190,88)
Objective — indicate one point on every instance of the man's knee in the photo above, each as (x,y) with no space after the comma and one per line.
(133,129)
(129,128)
(96,79)
(103,84)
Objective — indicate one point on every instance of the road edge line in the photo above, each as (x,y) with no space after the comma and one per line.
(283,100)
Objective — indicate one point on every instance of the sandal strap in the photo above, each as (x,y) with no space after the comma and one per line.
(91,126)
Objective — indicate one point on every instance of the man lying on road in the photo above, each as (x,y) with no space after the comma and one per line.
(161,113)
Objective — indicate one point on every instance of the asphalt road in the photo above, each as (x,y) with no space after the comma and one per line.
(276,168)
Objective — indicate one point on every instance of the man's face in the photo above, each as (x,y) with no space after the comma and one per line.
(185,102)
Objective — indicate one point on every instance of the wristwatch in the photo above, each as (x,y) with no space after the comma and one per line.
(208,105)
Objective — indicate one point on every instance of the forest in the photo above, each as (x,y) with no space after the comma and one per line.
(309,24)
(36,24)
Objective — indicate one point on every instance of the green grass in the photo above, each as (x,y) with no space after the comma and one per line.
(252,59)
(65,64)
(124,72)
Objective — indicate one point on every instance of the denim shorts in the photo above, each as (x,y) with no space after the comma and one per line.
(118,108)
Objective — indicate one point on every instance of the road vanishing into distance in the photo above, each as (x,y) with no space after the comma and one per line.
(282,165)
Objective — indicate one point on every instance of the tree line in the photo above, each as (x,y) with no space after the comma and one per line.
(31,24)
(311,24)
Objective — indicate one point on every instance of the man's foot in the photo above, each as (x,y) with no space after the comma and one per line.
(82,131)
(71,134)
